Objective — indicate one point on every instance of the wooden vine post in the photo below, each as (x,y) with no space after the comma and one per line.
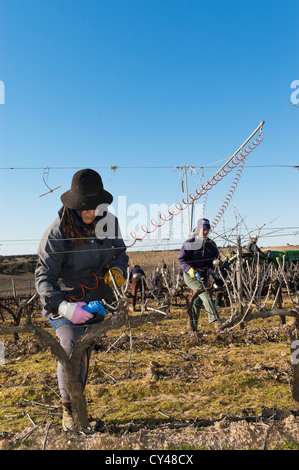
(239,277)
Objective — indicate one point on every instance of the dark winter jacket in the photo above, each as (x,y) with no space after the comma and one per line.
(156,281)
(197,253)
(138,271)
(253,248)
(64,271)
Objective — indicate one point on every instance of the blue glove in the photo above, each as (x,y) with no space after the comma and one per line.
(96,307)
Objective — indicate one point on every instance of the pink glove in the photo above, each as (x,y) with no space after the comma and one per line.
(74,312)
(80,315)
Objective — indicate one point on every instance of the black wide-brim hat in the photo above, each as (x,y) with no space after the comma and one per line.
(87,192)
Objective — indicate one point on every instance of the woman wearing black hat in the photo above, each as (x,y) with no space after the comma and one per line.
(77,255)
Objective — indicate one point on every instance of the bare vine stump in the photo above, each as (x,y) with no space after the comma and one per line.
(78,402)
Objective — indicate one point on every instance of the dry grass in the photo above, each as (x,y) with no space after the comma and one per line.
(162,372)
(156,376)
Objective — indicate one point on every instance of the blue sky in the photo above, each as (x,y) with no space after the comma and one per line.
(147,83)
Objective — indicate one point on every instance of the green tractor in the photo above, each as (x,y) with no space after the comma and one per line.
(275,257)
(288,256)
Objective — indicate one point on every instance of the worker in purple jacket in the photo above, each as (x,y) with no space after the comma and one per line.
(196,259)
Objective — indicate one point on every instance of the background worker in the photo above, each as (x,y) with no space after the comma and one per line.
(76,260)
(252,246)
(195,259)
(135,278)
(156,282)
(218,278)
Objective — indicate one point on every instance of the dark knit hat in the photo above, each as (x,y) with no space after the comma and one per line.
(87,192)
(204,223)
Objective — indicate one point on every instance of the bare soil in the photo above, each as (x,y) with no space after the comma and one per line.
(273,430)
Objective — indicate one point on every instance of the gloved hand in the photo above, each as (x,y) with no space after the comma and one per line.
(117,276)
(95,307)
(74,312)
(192,273)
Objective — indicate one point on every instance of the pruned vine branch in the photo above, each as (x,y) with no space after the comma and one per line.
(72,364)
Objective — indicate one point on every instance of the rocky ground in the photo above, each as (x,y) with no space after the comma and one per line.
(272,430)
